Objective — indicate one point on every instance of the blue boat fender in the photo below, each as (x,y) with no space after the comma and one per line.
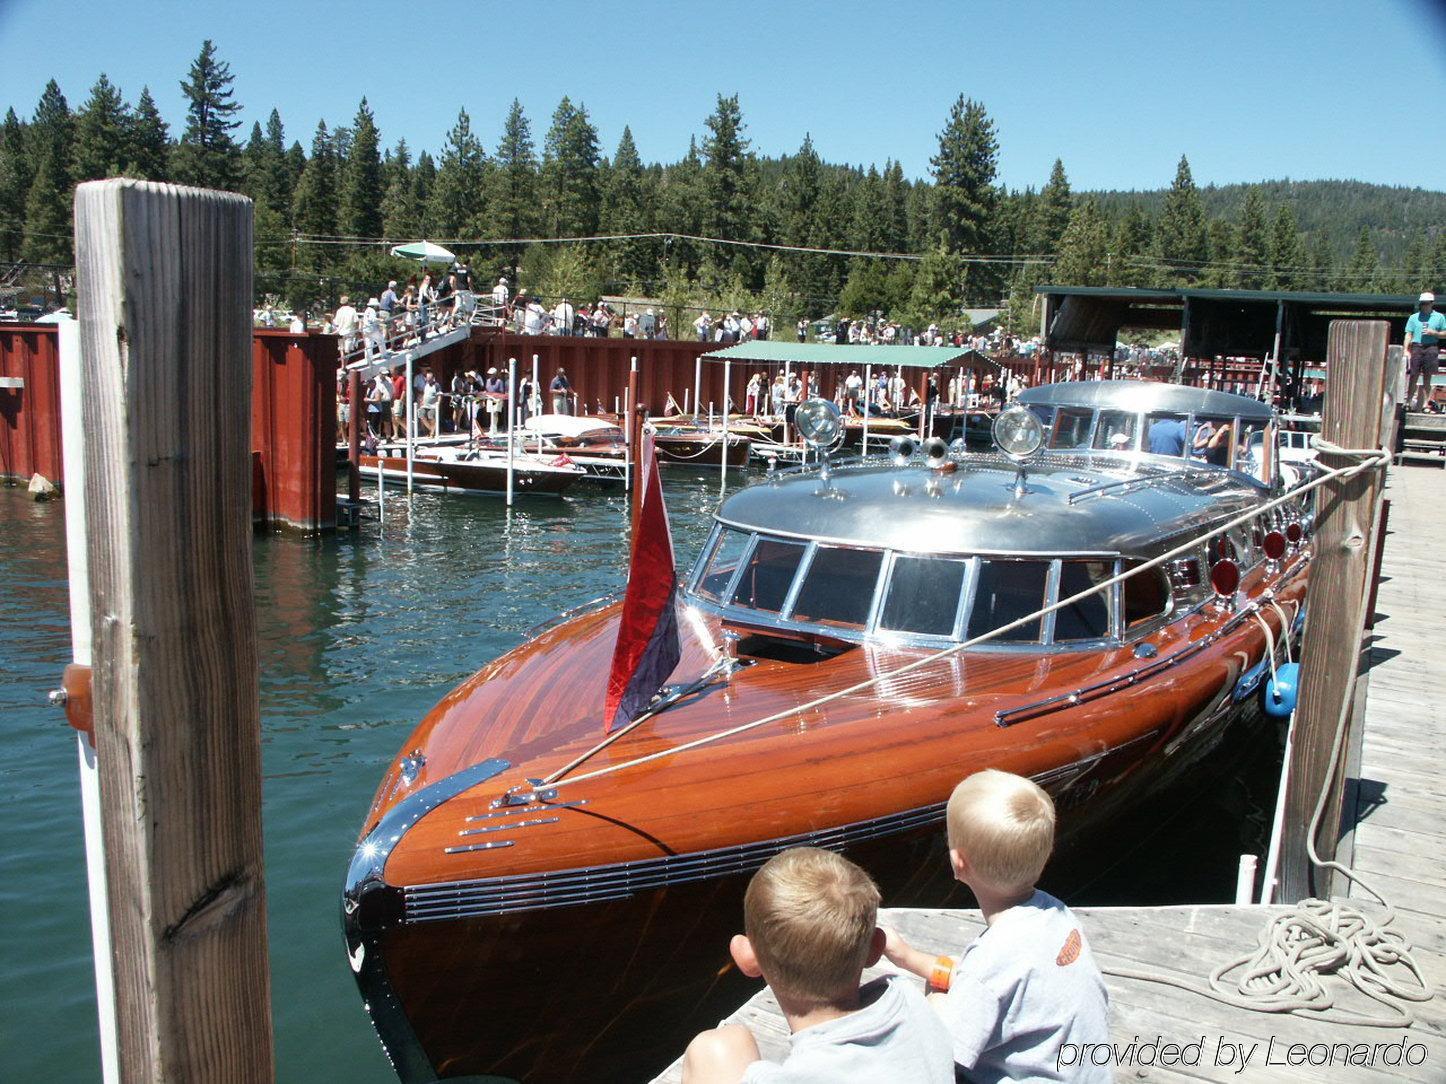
(1280,692)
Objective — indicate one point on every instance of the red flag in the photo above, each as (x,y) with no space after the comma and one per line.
(648,646)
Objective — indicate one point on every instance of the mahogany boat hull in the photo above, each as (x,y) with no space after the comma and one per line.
(701,451)
(592,969)
(486,476)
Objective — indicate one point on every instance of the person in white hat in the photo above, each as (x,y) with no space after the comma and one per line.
(1424,331)
(500,294)
(373,330)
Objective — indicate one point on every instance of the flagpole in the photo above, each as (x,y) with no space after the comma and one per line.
(511,399)
(723,459)
(631,468)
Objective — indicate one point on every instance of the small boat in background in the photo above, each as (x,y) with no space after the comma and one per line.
(456,468)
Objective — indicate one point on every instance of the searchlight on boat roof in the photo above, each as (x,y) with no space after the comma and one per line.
(819,423)
(1018,432)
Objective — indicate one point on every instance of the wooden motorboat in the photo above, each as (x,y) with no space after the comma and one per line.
(593,437)
(455,467)
(505,928)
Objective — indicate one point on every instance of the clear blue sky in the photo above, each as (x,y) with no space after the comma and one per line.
(1249,89)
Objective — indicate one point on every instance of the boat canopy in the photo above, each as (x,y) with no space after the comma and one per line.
(1072,503)
(807,355)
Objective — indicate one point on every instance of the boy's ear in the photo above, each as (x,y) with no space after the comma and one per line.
(959,864)
(876,946)
(744,956)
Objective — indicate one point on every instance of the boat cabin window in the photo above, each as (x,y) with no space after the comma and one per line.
(1089,618)
(1167,433)
(1071,428)
(1007,591)
(728,549)
(1116,430)
(768,574)
(923,595)
(1146,595)
(838,587)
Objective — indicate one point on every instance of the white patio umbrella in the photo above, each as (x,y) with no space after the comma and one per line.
(424,252)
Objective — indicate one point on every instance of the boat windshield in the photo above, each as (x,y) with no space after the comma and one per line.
(854,591)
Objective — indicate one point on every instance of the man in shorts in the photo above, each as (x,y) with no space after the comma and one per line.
(1424,331)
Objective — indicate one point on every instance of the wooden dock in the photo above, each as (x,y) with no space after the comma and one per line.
(1395,822)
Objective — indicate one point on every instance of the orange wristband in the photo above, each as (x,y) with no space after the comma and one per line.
(941,973)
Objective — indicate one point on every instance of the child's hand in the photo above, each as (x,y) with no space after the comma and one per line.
(895,947)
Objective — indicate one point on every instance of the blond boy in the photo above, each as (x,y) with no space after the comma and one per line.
(1028,985)
(809,918)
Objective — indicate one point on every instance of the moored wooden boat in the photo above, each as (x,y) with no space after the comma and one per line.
(457,468)
(506,928)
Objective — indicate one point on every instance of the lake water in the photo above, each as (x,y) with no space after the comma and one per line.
(359,636)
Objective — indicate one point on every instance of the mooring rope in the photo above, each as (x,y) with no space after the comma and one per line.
(1315,937)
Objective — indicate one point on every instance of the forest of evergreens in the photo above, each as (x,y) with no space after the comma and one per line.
(323,204)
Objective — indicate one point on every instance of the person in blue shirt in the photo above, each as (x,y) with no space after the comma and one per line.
(1424,331)
(1166,437)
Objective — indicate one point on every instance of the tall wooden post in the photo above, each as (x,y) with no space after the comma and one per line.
(164,279)
(1335,600)
(633,433)
(354,414)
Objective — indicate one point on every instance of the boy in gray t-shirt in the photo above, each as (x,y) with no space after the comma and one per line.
(810,921)
(1028,985)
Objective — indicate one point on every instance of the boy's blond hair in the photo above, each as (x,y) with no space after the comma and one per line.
(810,916)
(1003,825)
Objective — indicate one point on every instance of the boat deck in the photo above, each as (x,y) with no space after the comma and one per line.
(1396,814)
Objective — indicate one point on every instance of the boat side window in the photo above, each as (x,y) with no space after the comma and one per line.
(923,595)
(1249,446)
(1167,434)
(722,562)
(1146,595)
(1071,428)
(838,588)
(1115,430)
(1007,591)
(768,574)
(1089,618)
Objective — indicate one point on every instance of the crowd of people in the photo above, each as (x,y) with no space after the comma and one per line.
(1017,1003)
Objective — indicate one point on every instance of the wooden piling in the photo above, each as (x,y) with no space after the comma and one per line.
(355,419)
(165,286)
(1330,655)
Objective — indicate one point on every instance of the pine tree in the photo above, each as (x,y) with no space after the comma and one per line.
(1084,247)
(725,156)
(1131,249)
(281,183)
(624,211)
(1361,272)
(360,187)
(1053,212)
(150,140)
(207,156)
(1222,269)
(458,195)
(424,179)
(47,236)
(896,208)
(938,284)
(512,200)
(679,209)
(401,218)
(313,208)
(1183,237)
(569,185)
(1323,274)
(15,178)
(1415,267)
(1252,242)
(1287,253)
(47,217)
(102,131)
(966,200)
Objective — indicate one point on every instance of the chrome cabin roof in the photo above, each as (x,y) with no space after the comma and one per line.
(1147,397)
(1074,503)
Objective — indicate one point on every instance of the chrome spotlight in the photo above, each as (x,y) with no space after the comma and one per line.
(936,452)
(902,449)
(958,446)
(1018,432)
(819,423)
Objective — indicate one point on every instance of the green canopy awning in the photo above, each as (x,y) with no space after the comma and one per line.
(425,252)
(807,355)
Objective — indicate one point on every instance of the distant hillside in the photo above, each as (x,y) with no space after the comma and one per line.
(1336,208)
